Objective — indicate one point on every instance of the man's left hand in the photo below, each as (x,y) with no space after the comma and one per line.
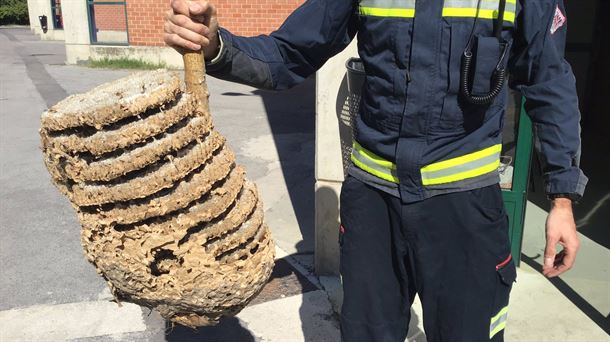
(560,229)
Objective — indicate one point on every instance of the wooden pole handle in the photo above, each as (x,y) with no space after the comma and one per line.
(194,76)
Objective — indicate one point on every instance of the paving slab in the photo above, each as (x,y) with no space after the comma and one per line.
(589,279)
(539,312)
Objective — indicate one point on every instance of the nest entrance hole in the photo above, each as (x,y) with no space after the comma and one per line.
(165,260)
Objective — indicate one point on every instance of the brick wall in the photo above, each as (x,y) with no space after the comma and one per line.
(109,17)
(145,18)
(243,17)
(254,17)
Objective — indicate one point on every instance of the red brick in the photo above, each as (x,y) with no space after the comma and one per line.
(242,17)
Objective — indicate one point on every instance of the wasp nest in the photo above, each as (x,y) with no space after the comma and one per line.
(167,217)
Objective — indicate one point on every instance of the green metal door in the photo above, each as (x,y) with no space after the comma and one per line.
(517,150)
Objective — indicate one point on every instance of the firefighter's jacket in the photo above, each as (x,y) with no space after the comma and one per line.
(415,129)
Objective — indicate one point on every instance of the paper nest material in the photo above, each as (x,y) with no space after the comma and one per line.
(168,218)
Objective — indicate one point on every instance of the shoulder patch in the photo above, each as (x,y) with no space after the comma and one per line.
(558,20)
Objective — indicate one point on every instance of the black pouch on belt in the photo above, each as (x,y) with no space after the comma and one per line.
(486,56)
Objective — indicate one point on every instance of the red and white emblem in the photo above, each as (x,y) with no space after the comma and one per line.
(558,20)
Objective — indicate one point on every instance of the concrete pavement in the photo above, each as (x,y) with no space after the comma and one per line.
(49,292)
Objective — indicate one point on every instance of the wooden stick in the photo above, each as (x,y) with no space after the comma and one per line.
(194,77)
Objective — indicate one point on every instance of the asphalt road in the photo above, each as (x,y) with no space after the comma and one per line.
(44,275)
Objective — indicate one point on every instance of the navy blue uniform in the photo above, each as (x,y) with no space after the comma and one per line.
(415,129)
(453,250)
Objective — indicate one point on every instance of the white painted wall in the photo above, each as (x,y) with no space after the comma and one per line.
(76,27)
(333,140)
(77,40)
(43,7)
(152,54)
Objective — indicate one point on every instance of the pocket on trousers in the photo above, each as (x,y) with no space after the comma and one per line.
(489,202)
(506,275)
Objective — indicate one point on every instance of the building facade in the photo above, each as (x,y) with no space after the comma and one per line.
(94,29)
(51,11)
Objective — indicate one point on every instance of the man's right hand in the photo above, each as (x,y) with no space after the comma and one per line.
(192,25)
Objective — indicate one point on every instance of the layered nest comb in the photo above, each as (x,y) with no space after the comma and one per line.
(167,217)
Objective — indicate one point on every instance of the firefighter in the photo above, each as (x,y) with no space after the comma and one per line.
(421,209)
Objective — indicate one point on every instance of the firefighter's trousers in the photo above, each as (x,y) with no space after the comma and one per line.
(452,250)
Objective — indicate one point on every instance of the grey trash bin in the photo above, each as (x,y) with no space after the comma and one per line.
(349,106)
(355,75)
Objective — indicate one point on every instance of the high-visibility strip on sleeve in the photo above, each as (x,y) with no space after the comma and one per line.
(373,164)
(498,322)
(464,167)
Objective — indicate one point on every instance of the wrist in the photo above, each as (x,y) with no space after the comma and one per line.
(561,203)
(572,197)
(214,49)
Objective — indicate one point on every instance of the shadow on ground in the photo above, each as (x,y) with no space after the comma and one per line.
(293,112)
(229,329)
(285,281)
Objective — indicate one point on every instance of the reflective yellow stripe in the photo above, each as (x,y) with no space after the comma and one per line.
(463,175)
(447,171)
(373,157)
(472,12)
(374,172)
(373,164)
(498,322)
(498,328)
(388,12)
(463,159)
(502,312)
(473,3)
(468,166)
